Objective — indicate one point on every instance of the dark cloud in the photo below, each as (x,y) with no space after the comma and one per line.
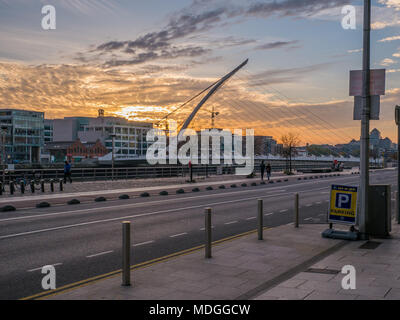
(277,45)
(201,16)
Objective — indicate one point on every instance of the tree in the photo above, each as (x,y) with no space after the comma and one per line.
(290,141)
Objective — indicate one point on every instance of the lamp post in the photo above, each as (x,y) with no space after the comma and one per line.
(365,122)
(397,117)
(112,158)
(3,133)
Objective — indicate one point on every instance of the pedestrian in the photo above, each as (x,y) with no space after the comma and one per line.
(269,171)
(67,172)
(262,169)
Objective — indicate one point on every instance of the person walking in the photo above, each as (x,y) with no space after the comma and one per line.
(67,172)
(262,169)
(268,171)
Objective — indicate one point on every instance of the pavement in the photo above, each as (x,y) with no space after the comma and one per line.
(377,274)
(239,269)
(84,241)
(289,264)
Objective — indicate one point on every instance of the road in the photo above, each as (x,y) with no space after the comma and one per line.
(85,240)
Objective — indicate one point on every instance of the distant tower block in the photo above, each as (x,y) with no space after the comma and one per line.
(101,113)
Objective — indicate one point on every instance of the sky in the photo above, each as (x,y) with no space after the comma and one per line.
(143,59)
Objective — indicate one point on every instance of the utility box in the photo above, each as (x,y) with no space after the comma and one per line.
(379,222)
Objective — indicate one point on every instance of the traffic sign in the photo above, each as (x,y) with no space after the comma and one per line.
(375,107)
(343,205)
(377,82)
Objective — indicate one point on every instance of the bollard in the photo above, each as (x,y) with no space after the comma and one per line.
(260,221)
(42,185)
(126,253)
(32,186)
(52,185)
(296,210)
(61,185)
(1,188)
(12,187)
(208,230)
(22,187)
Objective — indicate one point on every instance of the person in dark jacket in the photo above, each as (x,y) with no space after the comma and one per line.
(269,169)
(67,172)
(262,169)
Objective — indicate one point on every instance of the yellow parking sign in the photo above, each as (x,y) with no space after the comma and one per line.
(343,205)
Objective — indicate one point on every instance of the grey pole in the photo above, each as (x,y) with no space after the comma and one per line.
(208,231)
(260,221)
(126,253)
(296,210)
(112,160)
(397,117)
(365,117)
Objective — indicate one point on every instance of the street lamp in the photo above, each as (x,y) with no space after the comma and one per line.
(112,158)
(3,133)
(397,117)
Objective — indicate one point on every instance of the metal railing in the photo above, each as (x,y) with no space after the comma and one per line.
(125,173)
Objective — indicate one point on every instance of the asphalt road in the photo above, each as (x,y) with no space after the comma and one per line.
(85,240)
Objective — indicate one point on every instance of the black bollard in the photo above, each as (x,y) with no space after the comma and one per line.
(32,186)
(12,187)
(22,187)
(1,188)
(61,185)
(52,185)
(42,185)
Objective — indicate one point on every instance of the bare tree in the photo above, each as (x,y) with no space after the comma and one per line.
(290,141)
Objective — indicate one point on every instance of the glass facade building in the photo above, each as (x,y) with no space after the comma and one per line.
(23,134)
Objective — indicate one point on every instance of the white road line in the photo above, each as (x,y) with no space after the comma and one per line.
(99,254)
(269,214)
(251,218)
(143,243)
(202,229)
(285,210)
(132,205)
(40,268)
(178,235)
(307,219)
(319,202)
(232,222)
(308,205)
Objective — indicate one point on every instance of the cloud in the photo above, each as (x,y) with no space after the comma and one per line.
(277,45)
(201,16)
(387,62)
(393,38)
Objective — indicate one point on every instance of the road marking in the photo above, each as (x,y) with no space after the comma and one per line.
(285,210)
(202,229)
(99,254)
(269,214)
(274,189)
(307,219)
(40,268)
(143,243)
(232,222)
(319,202)
(251,218)
(178,235)
(308,205)
(106,208)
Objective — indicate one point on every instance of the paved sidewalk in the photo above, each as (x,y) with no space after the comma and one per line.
(377,274)
(240,268)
